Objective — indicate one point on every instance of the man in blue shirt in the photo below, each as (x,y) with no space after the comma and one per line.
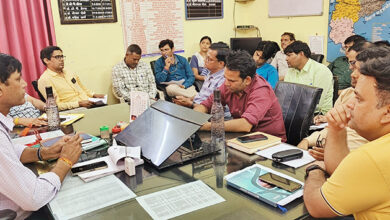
(170,68)
(215,64)
(268,72)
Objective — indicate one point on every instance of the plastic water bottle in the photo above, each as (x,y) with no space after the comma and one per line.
(217,122)
(53,117)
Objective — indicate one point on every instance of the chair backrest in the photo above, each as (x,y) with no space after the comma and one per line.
(152,66)
(298,103)
(35,85)
(317,57)
(335,88)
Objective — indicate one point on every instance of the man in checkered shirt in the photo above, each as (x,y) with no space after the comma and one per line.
(131,74)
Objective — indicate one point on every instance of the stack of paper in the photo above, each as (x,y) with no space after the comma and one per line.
(114,161)
(77,198)
(66,119)
(99,101)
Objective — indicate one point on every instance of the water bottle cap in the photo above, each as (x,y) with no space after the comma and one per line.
(217,95)
(104,128)
(49,90)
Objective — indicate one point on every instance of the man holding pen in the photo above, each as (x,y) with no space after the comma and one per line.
(20,189)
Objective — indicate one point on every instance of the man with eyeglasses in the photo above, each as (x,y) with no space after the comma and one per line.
(70,93)
(131,74)
(215,66)
(315,142)
(340,66)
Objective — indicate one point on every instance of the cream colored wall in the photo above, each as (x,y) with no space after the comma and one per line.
(92,49)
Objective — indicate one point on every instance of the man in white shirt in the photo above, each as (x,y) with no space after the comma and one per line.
(20,189)
(279,61)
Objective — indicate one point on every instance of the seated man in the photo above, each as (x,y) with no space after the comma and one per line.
(261,55)
(215,64)
(20,189)
(339,67)
(354,139)
(306,71)
(131,74)
(27,114)
(279,61)
(172,67)
(251,100)
(360,184)
(67,88)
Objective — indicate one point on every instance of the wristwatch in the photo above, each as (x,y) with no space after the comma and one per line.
(315,167)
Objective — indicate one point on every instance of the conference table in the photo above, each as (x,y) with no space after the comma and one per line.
(210,169)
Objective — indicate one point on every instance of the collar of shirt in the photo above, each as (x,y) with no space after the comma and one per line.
(307,66)
(217,74)
(249,87)
(8,122)
(51,72)
(124,65)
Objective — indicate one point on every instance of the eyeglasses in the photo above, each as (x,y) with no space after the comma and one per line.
(320,142)
(352,63)
(59,57)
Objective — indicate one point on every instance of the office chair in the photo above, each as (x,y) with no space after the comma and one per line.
(35,85)
(317,57)
(335,88)
(298,103)
(160,87)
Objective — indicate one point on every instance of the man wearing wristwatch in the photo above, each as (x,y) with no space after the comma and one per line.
(20,189)
(360,185)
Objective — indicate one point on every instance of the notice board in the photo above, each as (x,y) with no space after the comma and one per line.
(87,11)
(203,9)
(289,8)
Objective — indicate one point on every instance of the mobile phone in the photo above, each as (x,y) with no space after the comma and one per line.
(287,155)
(280,182)
(88,167)
(251,138)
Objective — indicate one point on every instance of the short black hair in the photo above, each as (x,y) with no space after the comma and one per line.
(8,65)
(222,50)
(291,35)
(165,42)
(241,61)
(382,43)
(205,37)
(360,46)
(376,63)
(47,52)
(298,46)
(354,39)
(134,48)
(269,49)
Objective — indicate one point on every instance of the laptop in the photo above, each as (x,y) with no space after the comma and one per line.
(166,134)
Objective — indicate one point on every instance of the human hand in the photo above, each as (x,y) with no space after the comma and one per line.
(168,62)
(183,101)
(98,95)
(317,153)
(182,86)
(338,117)
(319,119)
(71,149)
(86,103)
(54,151)
(36,122)
(304,144)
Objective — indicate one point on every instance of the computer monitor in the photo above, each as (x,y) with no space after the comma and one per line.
(247,43)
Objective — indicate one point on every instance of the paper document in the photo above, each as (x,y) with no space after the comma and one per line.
(76,198)
(316,44)
(179,82)
(113,160)
(139,102)
(99,101)
(32,138)
(318,127)
(306,158)
(179,200)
